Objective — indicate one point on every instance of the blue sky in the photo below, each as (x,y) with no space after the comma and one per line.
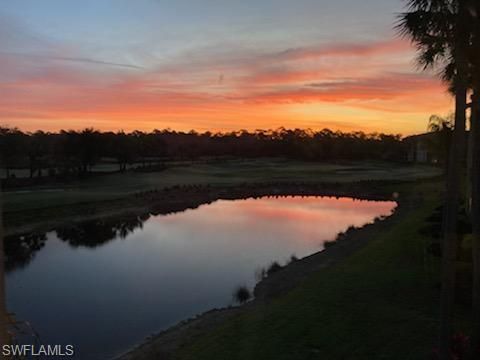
(122,24)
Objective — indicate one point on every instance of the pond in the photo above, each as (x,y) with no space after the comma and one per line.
(103,286)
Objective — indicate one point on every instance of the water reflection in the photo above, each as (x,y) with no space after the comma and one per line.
(98,232)
(81,285)
(20,250)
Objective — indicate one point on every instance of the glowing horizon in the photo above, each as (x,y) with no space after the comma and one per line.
(213,67)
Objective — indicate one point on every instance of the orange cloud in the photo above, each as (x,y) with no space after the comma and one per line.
(208,90)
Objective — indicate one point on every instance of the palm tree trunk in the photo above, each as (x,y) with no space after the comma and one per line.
(475,186)
(454,177)
(4,338)
(475,216)
(454,174)
(468,191)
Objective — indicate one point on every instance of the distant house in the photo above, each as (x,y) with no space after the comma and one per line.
(419,148)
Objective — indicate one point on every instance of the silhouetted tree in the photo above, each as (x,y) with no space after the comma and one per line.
(37,152)
(89,149)
(12,145)
(74,153)
(123,149)
(440,31)
(443,129)
(474,55)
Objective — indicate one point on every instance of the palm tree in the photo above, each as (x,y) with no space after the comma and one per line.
(4,338)
(440,143)
(475,177)
(475,217)
(438,123)
(439,29)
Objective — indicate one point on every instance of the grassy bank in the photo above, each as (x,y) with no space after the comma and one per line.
(42,208)
(379,303)
(222,173)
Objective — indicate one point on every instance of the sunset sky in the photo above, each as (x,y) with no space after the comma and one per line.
(211,65)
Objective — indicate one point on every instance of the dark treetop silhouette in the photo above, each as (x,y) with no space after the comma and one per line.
(76,152)
(445,33)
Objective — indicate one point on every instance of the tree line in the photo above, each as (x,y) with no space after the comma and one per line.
(446,34)
(77,152)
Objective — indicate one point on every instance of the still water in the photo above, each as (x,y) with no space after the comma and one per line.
(104,286)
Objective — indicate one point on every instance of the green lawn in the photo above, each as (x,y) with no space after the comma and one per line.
(380,303)
(230,172)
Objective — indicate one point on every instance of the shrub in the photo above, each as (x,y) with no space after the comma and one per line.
(328,244)
(293,258)
(241,295)
(273,268)
(350,229)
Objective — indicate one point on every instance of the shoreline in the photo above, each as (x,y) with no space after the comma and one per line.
(164,344)
(181,198)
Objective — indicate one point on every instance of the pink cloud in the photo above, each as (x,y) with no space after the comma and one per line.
(188,89)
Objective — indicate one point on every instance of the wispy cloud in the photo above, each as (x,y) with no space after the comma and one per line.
(69,59)
(392,46)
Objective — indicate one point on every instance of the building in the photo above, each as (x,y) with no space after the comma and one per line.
(420,148)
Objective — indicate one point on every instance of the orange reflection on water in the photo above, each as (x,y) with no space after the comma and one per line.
(291,220)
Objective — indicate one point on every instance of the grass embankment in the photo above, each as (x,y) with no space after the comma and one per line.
(379,303)
(116,195)
(222,173)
